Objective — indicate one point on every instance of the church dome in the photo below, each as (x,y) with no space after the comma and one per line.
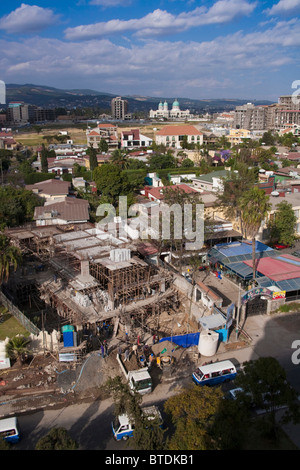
(176,104)
(160,105)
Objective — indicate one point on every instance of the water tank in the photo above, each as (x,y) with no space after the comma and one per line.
(208,343)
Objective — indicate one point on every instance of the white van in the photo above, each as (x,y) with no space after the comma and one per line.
(9,430)
(215,373)
(123,428)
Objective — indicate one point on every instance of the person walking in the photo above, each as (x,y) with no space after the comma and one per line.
(102,351)
(105,348)
(126,355)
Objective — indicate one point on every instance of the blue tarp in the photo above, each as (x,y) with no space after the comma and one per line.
(242,248)
(68,339)
(185,341)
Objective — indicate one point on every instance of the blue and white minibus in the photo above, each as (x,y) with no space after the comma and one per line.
(215,373)
(9,430)
(123,427)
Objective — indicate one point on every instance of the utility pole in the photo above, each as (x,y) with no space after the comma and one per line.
(238,312)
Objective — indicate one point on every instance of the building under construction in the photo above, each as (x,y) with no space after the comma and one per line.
(88,275)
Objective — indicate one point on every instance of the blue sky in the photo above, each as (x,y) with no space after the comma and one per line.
(245,49)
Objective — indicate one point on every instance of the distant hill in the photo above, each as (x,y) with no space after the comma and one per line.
(50,97)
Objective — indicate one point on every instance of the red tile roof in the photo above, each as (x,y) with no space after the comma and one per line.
(179,130)
(158,193)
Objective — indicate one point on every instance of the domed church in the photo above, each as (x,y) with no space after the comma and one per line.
(163,112)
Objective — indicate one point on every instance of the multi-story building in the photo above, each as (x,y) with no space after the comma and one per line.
(119,108)
(108,132)
(250,117)
(271,117)
(173,136)
(134,139)
(237,136)
(20,113)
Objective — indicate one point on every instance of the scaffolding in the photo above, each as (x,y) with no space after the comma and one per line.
(91,276)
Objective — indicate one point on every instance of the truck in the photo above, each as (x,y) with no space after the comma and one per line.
(139,380)
(123,427)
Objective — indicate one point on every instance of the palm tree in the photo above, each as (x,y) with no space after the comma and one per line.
(16,348)
(9,256)
(119,158)
(254,206)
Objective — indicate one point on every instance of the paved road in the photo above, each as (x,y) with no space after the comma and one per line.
(89,423)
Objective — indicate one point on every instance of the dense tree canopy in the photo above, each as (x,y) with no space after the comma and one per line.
(17,205)
(283,223)
(57,439)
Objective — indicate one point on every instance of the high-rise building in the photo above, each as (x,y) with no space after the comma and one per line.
(119,108)
(270,117)
(20,113)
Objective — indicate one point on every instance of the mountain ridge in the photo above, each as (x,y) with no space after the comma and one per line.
(47,96)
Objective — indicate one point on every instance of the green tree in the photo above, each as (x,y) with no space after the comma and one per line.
(268,138)
(254,205)
(191,413)
(10,256)
(16,348)
(145,436)
(57,439)
(231,424)
(283,224)
(187,163)
(93,158)
(108,180)
(17,205)
(159,162)
(4,445)
(44,159)
(238,181)
(103,146)
(264,382)
(119,158)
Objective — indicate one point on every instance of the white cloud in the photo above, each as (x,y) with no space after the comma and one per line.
(162,22)
(236,62)
(285,7)
(110,3)
(28,19)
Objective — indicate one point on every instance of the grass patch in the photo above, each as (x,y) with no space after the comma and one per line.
(289,307)
(10,326)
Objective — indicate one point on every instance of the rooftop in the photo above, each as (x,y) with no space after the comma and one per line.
(179,130)
(69,210)
(52,187)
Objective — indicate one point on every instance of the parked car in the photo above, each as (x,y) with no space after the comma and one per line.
(278,246)
(203,268)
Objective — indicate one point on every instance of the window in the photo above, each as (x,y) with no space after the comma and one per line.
(125,427)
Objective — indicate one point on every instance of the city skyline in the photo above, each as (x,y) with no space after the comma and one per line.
(240,49)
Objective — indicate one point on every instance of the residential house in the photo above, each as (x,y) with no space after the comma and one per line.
(64,165)
(134,139)
(101,159)
(157,193)
(105,131)
(7,141)
(70,211)
(211,181)
(52,190)
(237,136)
(173,136)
